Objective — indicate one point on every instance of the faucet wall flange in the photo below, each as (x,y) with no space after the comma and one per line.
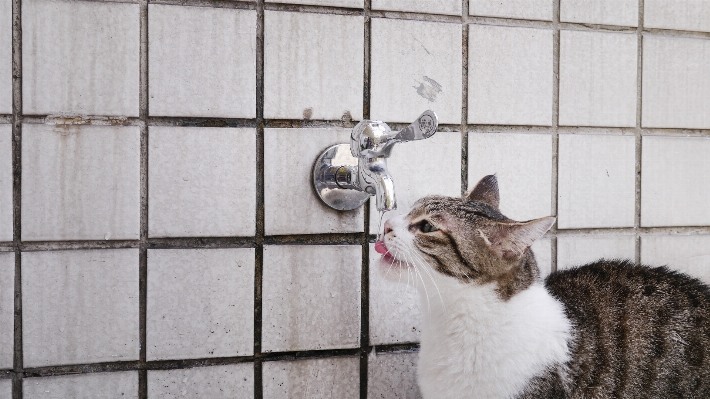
(335,179)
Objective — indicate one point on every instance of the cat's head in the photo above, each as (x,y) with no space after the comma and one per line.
(466,239)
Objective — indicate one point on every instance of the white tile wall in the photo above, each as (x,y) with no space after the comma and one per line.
(5,56)
(605,12)
(598,78)
(393,376)
(202,182)
(200,303)
(675,172)
(80,182)
(122,385)
(5,182)
(100,77)
(6,389)
(218,382)
(522,9)
(7,309)
(452,7)
(580,250)
(421,168)
(395,314)
(291,205)
(201,61)
(597,183)
(79,306)
(335,3)
(689,254)
(676,82)
(311,297)
(677,14)
(312,378)
(523,165)
(509,75)
(542,249)
(415,66)
(313,66)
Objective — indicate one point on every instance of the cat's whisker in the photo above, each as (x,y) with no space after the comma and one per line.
(423,265)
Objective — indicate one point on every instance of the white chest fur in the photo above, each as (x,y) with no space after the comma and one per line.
(475,345)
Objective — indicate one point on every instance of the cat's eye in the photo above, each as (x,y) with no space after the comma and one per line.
(426,227)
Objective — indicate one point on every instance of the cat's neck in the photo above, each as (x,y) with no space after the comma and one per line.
(474,341)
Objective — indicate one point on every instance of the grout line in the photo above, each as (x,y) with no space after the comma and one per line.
(464,97)
(365,265)
(260,227)
(143,101)
(638,131)
(138,365)
(555,128)
(16,120)
(242,5)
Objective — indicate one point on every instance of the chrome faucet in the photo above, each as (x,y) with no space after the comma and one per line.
(345,176)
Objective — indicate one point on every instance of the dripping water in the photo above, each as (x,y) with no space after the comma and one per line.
(379,227)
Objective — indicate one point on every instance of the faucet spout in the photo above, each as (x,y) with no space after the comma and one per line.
(384,197)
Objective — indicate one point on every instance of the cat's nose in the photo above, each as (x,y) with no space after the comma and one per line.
(388,227)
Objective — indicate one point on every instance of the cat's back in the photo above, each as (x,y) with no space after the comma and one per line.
(638,331)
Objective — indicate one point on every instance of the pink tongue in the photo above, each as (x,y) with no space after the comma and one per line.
(380,247)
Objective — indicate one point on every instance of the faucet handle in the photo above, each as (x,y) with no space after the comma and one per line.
(374,139)
(424,127)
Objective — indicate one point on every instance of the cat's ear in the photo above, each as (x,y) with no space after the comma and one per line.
(511,240)
(486,191)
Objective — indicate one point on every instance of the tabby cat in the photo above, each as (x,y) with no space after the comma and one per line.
(492,329)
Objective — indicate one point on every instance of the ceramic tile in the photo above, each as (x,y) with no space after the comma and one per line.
(217,382)
(677,14)
(101,75)
(6,183)
(313,66)
(598,79)
(521,9)
(580,250)
(6,388)
(689,254)
(312,378)
(395,314)
(415,66)
(597,185)
(311,297)
(80,307)
(291,204)
(451,7)
(605,12)
(542,249)
(674,176)
(122,385)
(202,61)
(80,182)
(393,376)
(6,57)
(200,303)
(7,309)
(438,173)
(676,82)
(334,3)
(202,182)
(509,75)
(523,165)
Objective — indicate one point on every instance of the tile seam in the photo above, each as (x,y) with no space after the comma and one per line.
(260,184)
(143,111)
(16,120)
(554,129)
(638,131)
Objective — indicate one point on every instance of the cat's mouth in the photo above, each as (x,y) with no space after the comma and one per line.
(381,248)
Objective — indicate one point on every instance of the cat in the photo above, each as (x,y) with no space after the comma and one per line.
(493,329)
